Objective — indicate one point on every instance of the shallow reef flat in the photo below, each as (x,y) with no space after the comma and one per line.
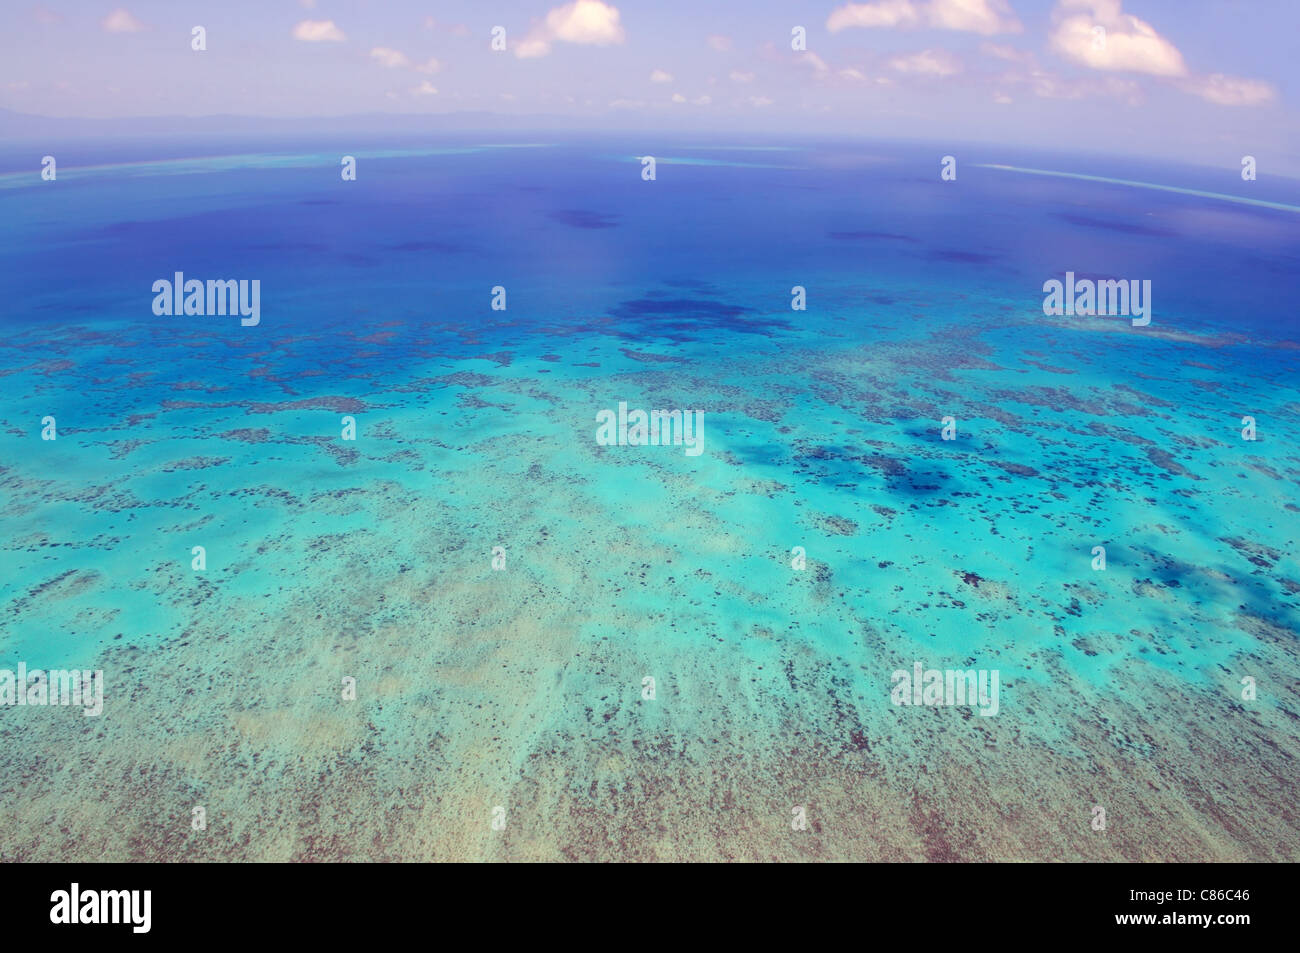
(522,687)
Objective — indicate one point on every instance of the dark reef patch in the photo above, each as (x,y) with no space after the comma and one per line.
(1127,228)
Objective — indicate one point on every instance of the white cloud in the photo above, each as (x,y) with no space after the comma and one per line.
(738,77)
(1048,85)
(584,22)
(531,47)
(809,58)
(986,17)
(678,98)
(1100,35)
(1126,45)
(1027,71)
(884,13)
(431,65)
(659,76)
(121,21)
(702,100)
(856,74)
(720,43)
(425,88)
(760,101)
(318,31)
(390,59)
(1008,53)
(927,63)
(1230,90)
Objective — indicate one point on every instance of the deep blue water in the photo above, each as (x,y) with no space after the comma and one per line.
(329,557)
(574,232)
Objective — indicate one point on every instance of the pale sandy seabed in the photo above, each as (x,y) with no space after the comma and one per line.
(522,688)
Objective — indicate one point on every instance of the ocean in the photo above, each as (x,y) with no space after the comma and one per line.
(436,614)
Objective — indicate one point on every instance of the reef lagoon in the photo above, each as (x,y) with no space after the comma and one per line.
(562,647)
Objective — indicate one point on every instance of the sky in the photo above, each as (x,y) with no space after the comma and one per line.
(1204,81)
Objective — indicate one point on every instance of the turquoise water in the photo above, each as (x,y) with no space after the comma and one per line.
(521,687)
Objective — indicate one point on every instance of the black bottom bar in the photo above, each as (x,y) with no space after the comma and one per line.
(1173,904)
